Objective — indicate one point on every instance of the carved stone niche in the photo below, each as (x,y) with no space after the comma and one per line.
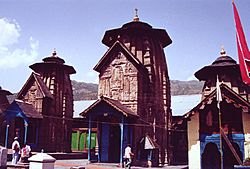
(117,77)
(133,88)
(119,59)
(126,91)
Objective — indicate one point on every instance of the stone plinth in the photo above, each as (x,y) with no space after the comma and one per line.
(42,161)
(3,157)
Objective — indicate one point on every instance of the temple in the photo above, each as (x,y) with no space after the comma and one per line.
(204,145)
(134,95)
(42,113)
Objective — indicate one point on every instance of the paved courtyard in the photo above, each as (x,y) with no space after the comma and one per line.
(67,164)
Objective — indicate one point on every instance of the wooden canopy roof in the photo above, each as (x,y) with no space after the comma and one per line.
(137,27)
(52,62)
(117,105)
(21,109)
(28,109)
(224,63)
(227,94)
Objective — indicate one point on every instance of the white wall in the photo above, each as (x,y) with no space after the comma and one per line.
(194,161)
(246,129)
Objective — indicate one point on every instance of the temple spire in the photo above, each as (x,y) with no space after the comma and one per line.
(136,18)
(222,52)
(54,54)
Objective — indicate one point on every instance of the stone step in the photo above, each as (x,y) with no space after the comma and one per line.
(18,166)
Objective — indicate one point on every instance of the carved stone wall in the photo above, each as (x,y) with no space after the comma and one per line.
(34,97)
(119,81)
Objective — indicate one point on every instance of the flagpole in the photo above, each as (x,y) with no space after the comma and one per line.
(219,98)
(221,150)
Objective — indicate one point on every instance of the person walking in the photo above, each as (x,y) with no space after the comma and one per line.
(128,157)
(25,153)
(15,151)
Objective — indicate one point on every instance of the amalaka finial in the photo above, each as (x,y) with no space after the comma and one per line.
(136,18)
(54,53)
(222,52)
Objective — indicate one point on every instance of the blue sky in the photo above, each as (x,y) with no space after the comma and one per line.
(31,29)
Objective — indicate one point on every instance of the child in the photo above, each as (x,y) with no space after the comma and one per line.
(25,153)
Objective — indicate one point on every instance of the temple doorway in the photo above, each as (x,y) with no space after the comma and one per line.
(229,160)
(210,157)
(115,142)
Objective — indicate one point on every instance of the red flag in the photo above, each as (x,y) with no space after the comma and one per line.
(243,52)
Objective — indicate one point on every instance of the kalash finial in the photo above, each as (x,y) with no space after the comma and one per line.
(222,52)
(54,54)
(136,18)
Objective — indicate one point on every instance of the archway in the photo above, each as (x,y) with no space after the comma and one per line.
(229,160)
(210,158)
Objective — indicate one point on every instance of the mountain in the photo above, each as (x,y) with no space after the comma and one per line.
(88,91)
(84,91)
(185,87)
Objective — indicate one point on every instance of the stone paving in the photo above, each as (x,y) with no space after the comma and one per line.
(68,164)
(83,163)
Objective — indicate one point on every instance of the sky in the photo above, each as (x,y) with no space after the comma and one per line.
(31,29)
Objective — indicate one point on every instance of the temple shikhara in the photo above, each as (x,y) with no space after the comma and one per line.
(42,113)
(134,94)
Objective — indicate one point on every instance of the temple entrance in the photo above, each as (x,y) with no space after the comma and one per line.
(112,133)
(229,160)
(114,144)
(110,140)
(211,157)
(19,129)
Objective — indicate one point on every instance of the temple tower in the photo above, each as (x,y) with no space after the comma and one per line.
(49,90)
(134,72)
(228,73)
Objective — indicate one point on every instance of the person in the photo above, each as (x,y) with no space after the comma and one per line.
(15,150)
(128,156)
(25,153)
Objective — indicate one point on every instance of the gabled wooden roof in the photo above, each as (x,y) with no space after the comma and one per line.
(28,109)
(119,47)
(34,77)
(117,105)
(18,108)
(228,95)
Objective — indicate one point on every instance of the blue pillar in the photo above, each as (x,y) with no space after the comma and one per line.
(121,147)
(98,140)
(89,139)
(25,132)
(6,135)
(37,132)
(131,135)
